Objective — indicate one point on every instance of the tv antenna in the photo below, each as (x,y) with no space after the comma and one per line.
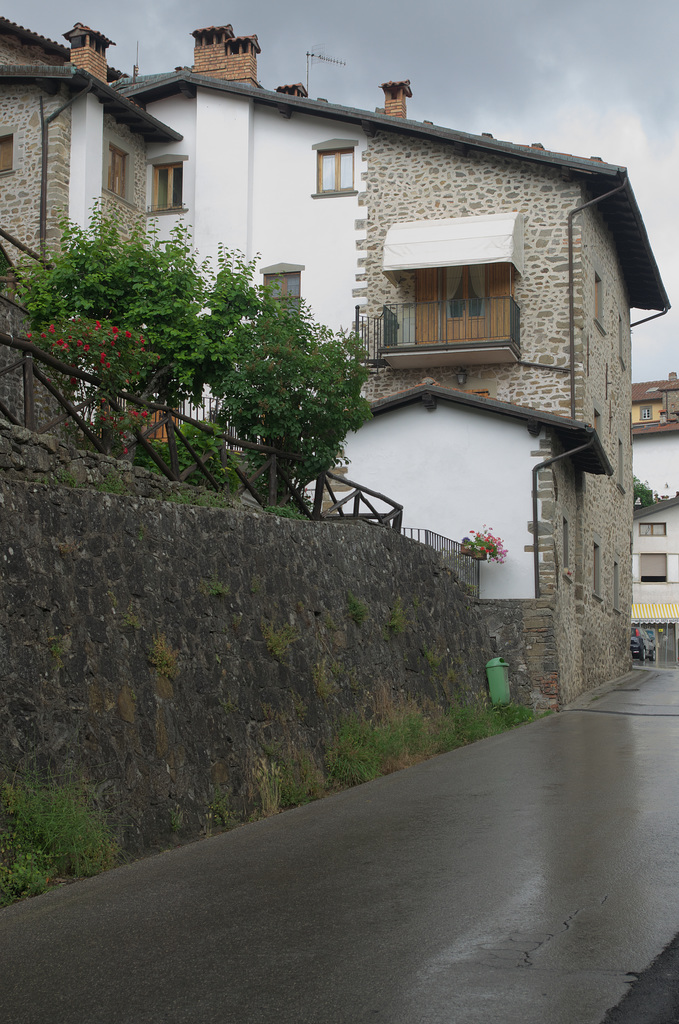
(318,54)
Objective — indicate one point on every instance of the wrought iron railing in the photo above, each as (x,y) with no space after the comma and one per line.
(451,322)
(465,567)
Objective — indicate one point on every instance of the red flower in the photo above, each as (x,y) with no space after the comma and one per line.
(51,328)
(29,335)
(73,380)
(144,414)
(108,366)
(114,330)
(103,357)
(128,334)
(86,348)
(98,324)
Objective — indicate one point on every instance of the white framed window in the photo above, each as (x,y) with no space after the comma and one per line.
(652,529)
(335,167)
(168,187)
(646,412)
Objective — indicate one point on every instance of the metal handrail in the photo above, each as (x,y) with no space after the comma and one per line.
(464,566)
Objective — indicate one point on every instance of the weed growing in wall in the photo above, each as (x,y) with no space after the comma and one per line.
(357,611)
(397,622)
(213,587)
(324,684)
(130,618)
(268,779)
(111,484)
(278,640)
(163,657)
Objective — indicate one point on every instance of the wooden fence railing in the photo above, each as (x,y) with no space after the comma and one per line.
(271,481)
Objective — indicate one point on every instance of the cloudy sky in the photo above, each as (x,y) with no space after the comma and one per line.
(590,77)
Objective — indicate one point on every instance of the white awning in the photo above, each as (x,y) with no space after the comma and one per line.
(453,242)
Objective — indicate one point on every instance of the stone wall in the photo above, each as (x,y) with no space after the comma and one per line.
(132,208)
(256,655)
(20,187)
(410,179)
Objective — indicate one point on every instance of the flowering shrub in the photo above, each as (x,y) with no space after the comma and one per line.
(120,360)
(484,541)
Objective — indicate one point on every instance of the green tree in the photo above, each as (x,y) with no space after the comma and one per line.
(294,385)
(185,310)
(643,495)
(181,326)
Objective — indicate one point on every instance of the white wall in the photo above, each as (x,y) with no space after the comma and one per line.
(656,461)
(248,184)
(453,470)
(87,126)
(657,593)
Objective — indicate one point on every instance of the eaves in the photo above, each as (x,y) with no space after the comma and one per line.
(122,108)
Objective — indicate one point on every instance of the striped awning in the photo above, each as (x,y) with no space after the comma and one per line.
(655,613)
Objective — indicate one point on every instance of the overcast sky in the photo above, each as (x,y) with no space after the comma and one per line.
(589,77)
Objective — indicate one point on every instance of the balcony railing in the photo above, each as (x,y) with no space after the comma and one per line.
(465,567)
(489,328)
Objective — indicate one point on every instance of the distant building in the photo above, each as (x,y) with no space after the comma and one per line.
(655,435)
(655,569)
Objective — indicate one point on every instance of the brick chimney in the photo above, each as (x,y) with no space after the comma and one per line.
(672,375)
(88,50)
(219,54)
(293,90)
(395,97)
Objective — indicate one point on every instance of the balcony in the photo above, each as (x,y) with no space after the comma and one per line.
(443,333)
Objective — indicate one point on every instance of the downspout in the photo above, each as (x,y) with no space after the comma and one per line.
(535,471)
(571,299)
(44,125)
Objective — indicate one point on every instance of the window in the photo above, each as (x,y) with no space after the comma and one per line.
(167,187)
(566,544)
(117,170)
(6,152)
(616,584)
(598,298)
(652,529)
(285,286)
(335,167)
(596,567)
(621,343)
(621,464)
(646,412)
(336,171)
(653,568)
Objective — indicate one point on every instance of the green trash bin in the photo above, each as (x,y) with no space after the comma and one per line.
(497,671)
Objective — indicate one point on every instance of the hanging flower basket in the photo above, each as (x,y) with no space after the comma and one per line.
(484,546)
(480,556)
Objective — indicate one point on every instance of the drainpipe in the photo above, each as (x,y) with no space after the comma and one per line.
(44,125)
(571,300)
(536,470)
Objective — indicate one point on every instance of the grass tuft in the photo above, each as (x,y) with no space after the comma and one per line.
(52,830)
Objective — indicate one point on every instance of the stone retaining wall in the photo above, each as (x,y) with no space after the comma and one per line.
(172,650)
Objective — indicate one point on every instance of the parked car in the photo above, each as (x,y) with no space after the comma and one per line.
(650,636)
(640,645)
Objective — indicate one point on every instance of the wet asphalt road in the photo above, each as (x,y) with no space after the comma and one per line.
(526,878)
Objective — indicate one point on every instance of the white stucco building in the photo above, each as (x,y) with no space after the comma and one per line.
(655,569)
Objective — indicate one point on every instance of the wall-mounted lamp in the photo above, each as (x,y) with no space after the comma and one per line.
(461,376)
